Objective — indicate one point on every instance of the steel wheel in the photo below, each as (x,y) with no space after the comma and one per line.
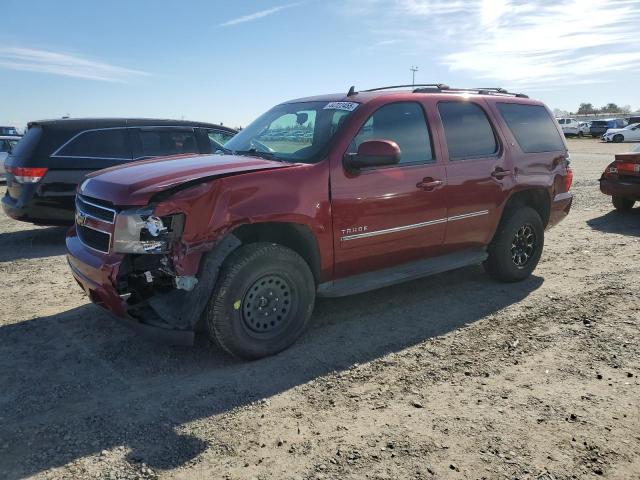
(523,245)
(267,305)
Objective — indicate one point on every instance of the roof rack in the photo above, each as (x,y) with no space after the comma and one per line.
(444,88)
(440,86)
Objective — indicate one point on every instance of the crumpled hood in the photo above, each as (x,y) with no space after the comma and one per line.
(135,183)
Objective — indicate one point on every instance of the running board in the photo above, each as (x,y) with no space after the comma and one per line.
(401,273)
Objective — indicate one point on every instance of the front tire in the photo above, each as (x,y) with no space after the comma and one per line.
(622,204)
(262,301)
(618,138)
(517,245)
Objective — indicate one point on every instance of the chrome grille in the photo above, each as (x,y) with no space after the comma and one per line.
(93,209)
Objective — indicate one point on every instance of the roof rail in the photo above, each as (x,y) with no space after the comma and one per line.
(442,87)
(479,91)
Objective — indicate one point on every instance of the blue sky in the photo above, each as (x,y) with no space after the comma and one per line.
(229,61)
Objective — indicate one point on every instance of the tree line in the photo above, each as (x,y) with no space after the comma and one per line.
(589,109)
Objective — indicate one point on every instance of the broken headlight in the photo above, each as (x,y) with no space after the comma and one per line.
(139,231)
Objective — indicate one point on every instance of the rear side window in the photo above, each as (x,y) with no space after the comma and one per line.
(105,144)
(403,123)
(166,141)
(467,130)
(532,126)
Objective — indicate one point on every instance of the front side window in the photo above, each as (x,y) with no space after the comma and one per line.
(218,138)
(161,142)
(292,132)
(403,123)
(532,127)
(467,130)
(107,144)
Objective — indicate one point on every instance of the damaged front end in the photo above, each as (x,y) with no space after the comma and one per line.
(162,282)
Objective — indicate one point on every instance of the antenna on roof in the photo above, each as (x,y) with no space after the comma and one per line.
(352,91)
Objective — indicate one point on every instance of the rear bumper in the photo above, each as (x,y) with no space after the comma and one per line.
(620,188)
(40,210)
(560,208)
(97,275)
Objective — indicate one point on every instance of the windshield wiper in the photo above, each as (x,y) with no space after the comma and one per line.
(258,153)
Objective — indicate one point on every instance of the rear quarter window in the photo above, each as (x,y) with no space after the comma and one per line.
(532,126)
(105,144)
(27,144)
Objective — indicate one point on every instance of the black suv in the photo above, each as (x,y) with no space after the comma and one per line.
(54,156)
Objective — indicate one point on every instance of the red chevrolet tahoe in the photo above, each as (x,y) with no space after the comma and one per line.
(329,195)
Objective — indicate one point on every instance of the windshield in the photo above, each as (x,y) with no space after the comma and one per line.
(292,132)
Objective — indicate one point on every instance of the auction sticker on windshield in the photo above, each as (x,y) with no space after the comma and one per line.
(347,106)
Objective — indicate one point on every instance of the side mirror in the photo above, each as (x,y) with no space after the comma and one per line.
(373,153)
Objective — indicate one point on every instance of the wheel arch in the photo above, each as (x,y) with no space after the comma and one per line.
(297,237)
(536,198)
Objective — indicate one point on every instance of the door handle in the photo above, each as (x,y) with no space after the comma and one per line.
(429,184)
(500,173)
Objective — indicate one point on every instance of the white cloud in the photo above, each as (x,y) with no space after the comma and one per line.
(514,42)
(44,61)
(257,15)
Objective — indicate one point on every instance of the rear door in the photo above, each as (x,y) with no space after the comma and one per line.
(389,215)
(478,170)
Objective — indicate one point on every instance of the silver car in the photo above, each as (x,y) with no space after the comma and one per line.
(7,143)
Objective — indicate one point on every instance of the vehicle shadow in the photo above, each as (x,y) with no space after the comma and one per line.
(624,223)
(34,243)
(77,383)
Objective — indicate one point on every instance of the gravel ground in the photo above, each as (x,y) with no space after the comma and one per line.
(453,376)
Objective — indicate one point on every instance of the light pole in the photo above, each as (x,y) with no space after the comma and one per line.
(413,69)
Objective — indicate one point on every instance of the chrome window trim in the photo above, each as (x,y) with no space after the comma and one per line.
(97,206)
(415,225)
(95,230)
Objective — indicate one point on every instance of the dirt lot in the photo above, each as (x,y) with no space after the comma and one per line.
(454,376)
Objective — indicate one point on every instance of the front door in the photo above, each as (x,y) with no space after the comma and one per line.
(390,215)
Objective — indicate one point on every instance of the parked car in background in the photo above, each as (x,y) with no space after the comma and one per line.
(391,186)
(621,180)
(54,156)
(599,127)
(11,131)
(634,120)
(570,127)
(7,143)
(584,128)
(630,133)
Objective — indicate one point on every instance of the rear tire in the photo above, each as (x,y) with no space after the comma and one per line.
(618,138)
(516,246)
(262,301)
(622,204)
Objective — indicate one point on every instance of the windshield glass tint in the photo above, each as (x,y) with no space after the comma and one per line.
(294,132)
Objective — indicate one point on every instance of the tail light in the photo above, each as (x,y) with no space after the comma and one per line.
(26,174)
(568,179)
